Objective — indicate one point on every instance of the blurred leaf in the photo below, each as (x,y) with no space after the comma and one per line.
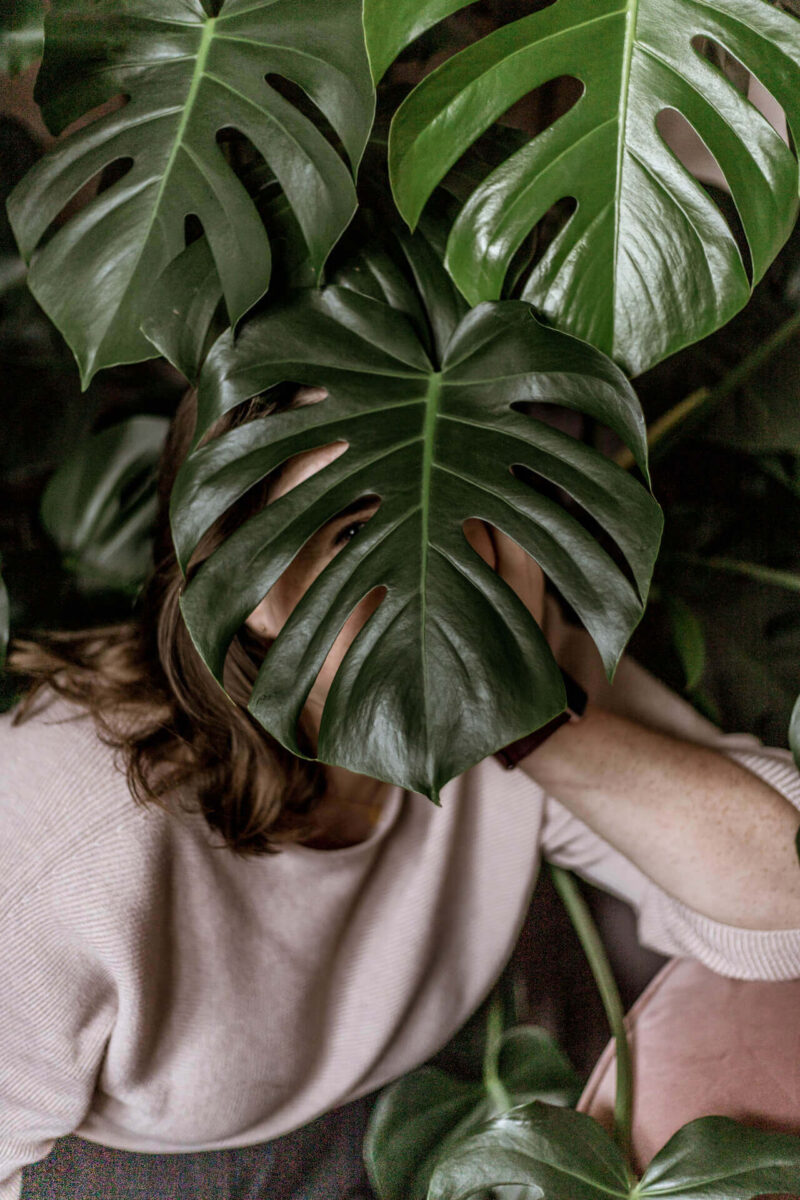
(187,77)
(21,35)
(4,619)
(100,505)
(416,1119)
(687,636)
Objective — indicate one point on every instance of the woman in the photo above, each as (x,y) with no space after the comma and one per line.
(208,1016)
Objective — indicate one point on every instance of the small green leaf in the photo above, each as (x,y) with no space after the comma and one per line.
(188,77)
(419,1116)
(100,505)
(21,35)
(716,1157)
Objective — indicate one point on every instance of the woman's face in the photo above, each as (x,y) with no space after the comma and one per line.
(268,618)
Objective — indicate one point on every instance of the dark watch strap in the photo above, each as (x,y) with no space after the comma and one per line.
(510,755)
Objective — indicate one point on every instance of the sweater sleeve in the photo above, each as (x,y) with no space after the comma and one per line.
(666,924)
(57,1007)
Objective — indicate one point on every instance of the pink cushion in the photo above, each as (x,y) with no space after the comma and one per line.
(704,1045)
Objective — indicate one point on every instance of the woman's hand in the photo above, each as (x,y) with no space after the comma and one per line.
(522,573)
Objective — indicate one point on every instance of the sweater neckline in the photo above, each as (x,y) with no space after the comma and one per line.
(388,817)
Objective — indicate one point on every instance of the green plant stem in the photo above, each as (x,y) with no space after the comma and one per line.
(784,579)
(593,948)
(700,402)
(494,1032)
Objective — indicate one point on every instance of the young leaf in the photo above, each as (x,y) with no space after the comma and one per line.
(100,505)
(417,1118)
(646,263)
(450,666)
(187,76)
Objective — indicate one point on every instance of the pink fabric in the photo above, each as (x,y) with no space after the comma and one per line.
(704,1045)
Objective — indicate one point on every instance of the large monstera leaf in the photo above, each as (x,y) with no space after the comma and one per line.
(451,665)
(187,76)
(646,263)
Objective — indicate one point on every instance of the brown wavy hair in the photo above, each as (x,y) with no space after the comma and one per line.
(155,702)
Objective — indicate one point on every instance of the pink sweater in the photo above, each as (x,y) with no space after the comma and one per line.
(158,994)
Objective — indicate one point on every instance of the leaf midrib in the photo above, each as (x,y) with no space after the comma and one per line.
(627,57)
(432,398)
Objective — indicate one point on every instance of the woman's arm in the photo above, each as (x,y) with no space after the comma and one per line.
(641,770)
(702,827)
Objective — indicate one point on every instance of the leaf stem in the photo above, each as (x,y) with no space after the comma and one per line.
(704,399)
(593,948)
(784,579)
(494,1033)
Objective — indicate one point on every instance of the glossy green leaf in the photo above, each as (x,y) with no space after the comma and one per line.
(418,1117)
(450,666)
(646,263)
(21,35)
(557,1153)
(188,76)
(563,1155)
(100,505)
(717,1157)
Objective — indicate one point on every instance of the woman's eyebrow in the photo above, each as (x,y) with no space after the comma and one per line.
(357,506)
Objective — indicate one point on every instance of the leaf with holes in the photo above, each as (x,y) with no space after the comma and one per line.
(187,76)
(646,263)
(450,666)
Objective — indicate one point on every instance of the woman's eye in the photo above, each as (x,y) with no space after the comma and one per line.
(349,531)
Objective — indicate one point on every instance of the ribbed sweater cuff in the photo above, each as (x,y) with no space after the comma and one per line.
(738,953)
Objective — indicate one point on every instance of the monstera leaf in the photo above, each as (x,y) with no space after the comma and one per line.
(451,665)
(646,263)
(417,1118)
(565,1155)
(187,76)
